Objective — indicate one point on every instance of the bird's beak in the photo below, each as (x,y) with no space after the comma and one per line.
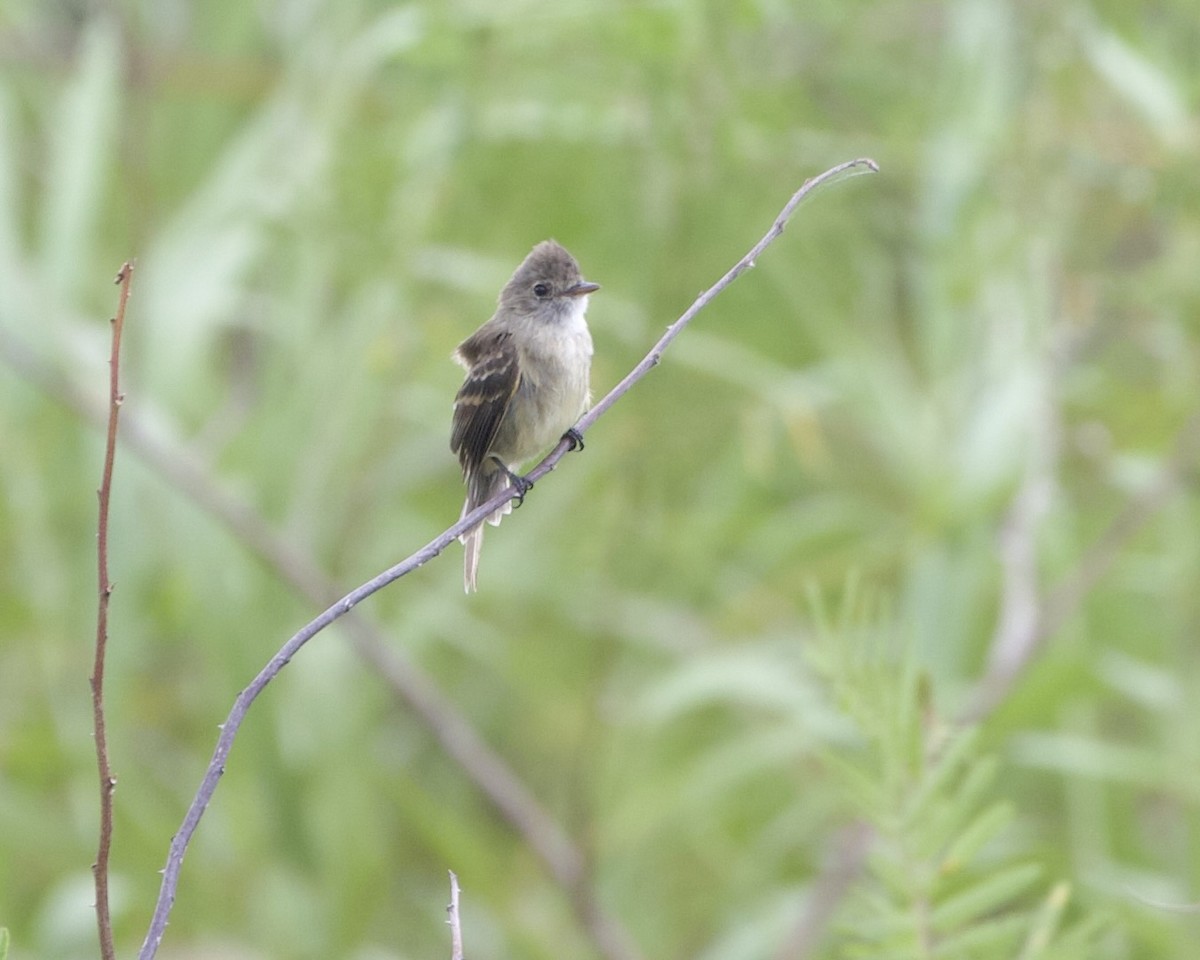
(581,289)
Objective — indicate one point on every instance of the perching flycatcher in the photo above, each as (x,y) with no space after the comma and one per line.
(526,385)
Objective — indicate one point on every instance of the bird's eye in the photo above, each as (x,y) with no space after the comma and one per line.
(541,290)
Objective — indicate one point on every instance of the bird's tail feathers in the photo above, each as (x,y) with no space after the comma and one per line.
(481,487)
(472,545)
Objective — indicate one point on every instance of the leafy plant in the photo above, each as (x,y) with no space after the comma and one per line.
(945,877)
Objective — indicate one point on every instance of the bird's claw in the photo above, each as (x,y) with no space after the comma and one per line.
(522,485)
(575,438)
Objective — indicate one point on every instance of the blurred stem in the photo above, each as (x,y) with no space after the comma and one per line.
(108,783)
(1014,650)
(1016,637)
(845,861)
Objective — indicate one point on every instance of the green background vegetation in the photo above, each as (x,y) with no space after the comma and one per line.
(742,621)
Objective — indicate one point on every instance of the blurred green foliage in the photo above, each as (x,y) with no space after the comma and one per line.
(324,197)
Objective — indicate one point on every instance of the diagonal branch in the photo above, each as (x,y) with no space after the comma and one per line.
(237,714)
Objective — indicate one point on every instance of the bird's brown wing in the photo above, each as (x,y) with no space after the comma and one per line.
(481,403)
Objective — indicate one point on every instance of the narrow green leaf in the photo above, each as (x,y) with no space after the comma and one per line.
(992,893)
(983,828)
(1045,924)
(80,158)
(996,937)
(857,784)
(10,208)
(907,881)
(1080,939)
(1139,79)
(941,773)
(979,778)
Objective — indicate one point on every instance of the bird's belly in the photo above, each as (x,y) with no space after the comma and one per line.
(547,404)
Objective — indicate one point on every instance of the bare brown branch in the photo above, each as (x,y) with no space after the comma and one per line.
(108,783)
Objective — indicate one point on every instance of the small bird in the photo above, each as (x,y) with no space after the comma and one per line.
(526,385)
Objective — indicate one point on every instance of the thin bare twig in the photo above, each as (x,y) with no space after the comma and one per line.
(456,947)
(108,783)
(237,714)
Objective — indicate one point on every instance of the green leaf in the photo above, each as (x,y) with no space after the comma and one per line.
(990,938)
(1046,922)
(992,893)
(944,769)
(985,827)
(81,157)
